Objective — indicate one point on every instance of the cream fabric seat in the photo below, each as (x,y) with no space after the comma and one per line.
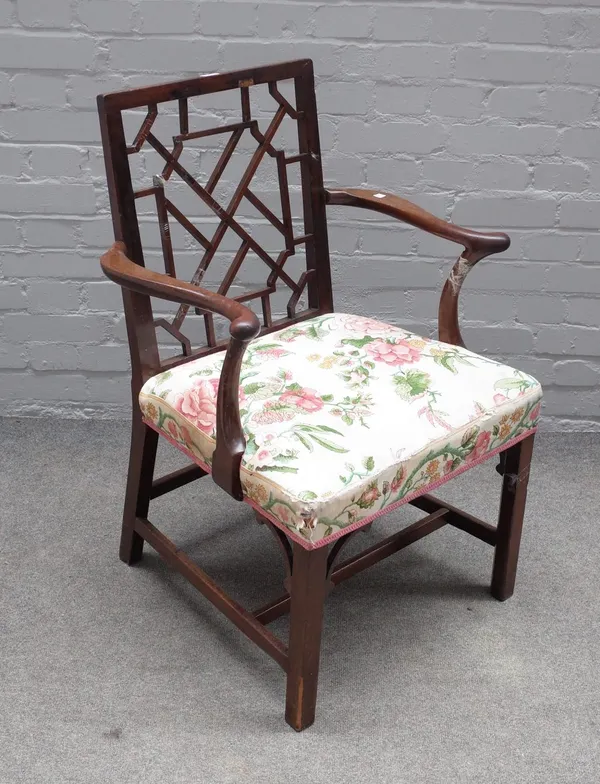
(346,417)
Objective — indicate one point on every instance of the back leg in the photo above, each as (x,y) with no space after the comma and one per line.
(142,456)
(515,468)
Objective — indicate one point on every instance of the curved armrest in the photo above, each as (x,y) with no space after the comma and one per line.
(116,266)
(245,325)
(477,245)
(396,207)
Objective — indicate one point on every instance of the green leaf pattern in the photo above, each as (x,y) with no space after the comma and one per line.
(344,416)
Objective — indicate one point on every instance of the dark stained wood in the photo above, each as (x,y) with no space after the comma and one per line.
(338,546)
(228,151)
(310,573)
(142,456)
(361,561)
(294,299)
(233,268)
(117,267)
(448,324)
(286,207)
(510,519)
(141,194)
(175,479)
(145,360)
(457,518)
(186,346)
(123,271)
(142,134)
(266,309)
(275,325)
(264,210)
(282,101)
(231,441)
(389,546)
(141,333)
(204,85)
(209,324)
(125,263)
(245,98)
(184,137)
(320,294)
(225,215)
(284,544)
(244,326)
(273,609)
(113,105)
(163,225)
(184,125)
(243,619)
(478,245)
(309,579)
(406,211)
(187,224)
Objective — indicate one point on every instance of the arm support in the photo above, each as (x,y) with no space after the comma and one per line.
(477,245)
(244,327)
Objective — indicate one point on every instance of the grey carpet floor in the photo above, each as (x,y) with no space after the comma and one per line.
(125,675)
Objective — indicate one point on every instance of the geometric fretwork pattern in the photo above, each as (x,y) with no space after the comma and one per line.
(226,215)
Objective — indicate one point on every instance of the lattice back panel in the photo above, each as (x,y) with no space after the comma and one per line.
(219,180)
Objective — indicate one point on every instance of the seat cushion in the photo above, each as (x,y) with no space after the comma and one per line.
(346,417)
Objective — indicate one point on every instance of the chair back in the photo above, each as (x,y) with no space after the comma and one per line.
(218,179)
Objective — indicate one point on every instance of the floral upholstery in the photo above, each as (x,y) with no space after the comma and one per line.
(346,417)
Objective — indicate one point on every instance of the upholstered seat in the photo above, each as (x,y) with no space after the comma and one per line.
(345,417)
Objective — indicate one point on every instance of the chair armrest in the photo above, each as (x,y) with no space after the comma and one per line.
(116,266)
(245,325)
(477,245)
(396,207)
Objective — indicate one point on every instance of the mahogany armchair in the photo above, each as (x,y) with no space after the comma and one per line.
(320,421)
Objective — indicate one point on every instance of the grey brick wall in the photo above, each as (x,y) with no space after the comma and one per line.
(483,112)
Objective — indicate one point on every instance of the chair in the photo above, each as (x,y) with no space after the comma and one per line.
(320,421)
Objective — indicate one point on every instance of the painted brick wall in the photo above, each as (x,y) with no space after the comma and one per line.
(483,112)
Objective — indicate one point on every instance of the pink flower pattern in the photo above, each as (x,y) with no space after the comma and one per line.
(281,512)
(482,445)
(305,399)
(393,352)
(366,325)
(199,404)
(173,430)
(361,355)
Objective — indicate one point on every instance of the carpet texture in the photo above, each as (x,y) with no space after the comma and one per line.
(126,675)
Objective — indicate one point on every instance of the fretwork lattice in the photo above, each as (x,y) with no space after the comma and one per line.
(226,216)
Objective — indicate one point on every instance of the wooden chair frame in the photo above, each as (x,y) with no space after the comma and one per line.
(310,573)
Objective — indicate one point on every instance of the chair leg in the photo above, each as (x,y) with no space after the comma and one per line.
(308,591)
(142,456)
(510,519)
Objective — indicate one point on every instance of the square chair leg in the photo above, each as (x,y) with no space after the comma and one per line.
(142,456)
(510,519)
(308,591)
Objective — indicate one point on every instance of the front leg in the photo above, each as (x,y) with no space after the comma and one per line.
(142,456)
(308,591)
